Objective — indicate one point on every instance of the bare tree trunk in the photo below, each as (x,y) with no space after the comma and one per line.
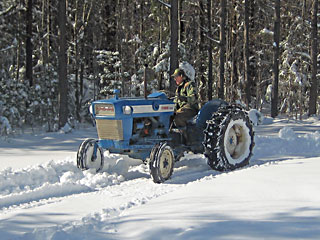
(222,47)
(141,32)
(29,43)
(210,80)
(174,40)
(120,34)
(314,53)
(44,58)
(76,65)
(95,68)
(276,55)
(84,56)
(161,87)
(48,28)
(181,23)
(304,9)
(247,77)
(18,52)
(202,57)
(48,56)
(234,53)
(62,68)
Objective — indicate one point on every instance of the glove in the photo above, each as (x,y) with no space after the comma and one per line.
(182,98)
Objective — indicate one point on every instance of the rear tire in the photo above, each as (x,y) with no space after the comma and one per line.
(161,162)
(229,139)
(87,158)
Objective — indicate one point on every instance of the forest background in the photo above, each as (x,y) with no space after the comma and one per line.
(58,56)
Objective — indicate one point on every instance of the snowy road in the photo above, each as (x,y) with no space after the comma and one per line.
(276,197)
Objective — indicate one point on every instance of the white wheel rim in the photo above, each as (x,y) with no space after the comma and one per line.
(89,162)
(231,141)
(166,160)
(237,141)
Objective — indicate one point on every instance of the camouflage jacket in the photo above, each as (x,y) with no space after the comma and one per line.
(186,96)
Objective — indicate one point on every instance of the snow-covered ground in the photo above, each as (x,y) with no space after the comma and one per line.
(44,196)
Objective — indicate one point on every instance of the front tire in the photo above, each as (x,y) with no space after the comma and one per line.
(229,139)
(161,162)
(90,155)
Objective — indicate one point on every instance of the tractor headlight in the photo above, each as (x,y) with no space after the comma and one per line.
(127,110)
(91,109)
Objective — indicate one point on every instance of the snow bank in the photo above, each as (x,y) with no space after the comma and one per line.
(287,144)
(256,117)
(287,133)
(5,127)
(59,179)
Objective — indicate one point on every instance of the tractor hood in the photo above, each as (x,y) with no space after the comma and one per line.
(118,108)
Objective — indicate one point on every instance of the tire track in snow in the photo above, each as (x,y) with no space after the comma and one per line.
(44,192)
(118,199)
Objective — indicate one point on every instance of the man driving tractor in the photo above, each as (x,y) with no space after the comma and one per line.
(186,105)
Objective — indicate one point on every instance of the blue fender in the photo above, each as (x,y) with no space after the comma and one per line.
(207,110)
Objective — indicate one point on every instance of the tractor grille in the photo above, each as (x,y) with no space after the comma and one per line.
(109,129)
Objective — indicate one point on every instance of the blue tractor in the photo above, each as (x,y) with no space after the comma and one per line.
(143,128)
